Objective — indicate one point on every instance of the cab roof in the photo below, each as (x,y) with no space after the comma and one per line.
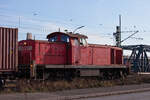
(70,34)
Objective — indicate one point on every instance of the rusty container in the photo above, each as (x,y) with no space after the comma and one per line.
(8,50)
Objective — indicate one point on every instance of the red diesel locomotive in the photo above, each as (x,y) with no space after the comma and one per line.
(68,55)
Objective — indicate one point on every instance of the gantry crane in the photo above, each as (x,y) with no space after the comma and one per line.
(138,59)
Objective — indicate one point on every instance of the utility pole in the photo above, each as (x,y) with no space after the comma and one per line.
(117,34)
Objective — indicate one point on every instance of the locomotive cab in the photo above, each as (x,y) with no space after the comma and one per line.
(74,42)
(67,38)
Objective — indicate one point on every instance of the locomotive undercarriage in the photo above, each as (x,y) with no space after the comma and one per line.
(48,73)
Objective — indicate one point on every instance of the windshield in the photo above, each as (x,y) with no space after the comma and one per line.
(53,39)
(64,38)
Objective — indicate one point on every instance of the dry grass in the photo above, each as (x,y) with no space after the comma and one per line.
(78,83)
(24,86)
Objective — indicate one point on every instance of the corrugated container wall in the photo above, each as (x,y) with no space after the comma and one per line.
(8,49)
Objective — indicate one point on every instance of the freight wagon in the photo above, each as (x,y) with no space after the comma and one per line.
(69,55)
(8,52)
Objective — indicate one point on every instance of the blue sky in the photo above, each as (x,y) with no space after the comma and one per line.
(99,17)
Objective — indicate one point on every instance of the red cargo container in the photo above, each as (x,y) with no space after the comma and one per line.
(8,50)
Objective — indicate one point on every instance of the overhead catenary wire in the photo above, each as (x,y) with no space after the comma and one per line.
(54,21)
(37,27)
(129,36)
(25,25)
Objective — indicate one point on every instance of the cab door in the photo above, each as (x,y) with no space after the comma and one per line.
(75,51)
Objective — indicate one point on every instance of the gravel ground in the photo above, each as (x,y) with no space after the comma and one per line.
(128,86)
(77,93)
(100,90)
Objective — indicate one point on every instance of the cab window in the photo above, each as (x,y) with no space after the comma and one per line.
(83,41)
(64,38)
(53,39)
